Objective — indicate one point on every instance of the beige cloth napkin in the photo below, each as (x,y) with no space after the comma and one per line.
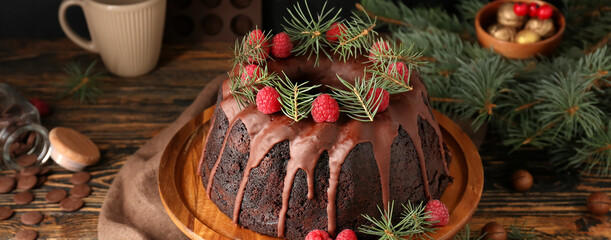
(132,208)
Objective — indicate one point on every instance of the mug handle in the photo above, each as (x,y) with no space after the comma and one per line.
(88,45)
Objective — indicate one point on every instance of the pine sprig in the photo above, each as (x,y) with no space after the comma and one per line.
(309,31)
(397,52)
(413,222)
(244,91)
(358,34)
(296,98)
(354,101)
(82,85)
(251,49)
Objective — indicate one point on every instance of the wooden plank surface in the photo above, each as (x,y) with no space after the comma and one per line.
(132,110)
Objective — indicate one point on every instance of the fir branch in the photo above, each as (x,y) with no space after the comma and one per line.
(413,222)
(481,83)
(296,99)
(357,34)
(355,101)
(381,18)
(251,50)
(417,18)
(310,31)
(593,154)
(244,91)
(567,102)
(83,86)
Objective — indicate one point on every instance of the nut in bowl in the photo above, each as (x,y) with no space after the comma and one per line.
(537,31)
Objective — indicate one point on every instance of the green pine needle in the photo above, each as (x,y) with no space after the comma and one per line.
(252,49)
(413,222)
(310,31)
(354,101)
(245,91)
(296,98)
(358,34)
(83,86)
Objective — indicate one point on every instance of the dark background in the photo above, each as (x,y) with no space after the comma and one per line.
(38,18)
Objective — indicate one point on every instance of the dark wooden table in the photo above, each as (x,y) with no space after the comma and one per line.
(132,110)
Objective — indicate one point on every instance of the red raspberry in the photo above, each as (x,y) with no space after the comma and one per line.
(334,32)
(437,212)
(250,73)
(257,38)
(282,45)
(385,98)
(325,109)
(318,235)
(42,107)
(401,71)
(267,100)
(379,47)
(347,234)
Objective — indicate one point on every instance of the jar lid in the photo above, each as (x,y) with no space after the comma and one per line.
(72,150)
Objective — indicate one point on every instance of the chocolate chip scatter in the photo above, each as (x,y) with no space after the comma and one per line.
(80,178)
(26,160)
(26,182)
(41,181)
(80,191)
(56,195)
(26,235)
(5,212)
(23,198)
(31,218)
(7,184)
(71,204)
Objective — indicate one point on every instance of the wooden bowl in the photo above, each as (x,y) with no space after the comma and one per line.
(186,202)
(487,16)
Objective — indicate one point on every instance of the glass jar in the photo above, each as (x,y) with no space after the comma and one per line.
(22,138)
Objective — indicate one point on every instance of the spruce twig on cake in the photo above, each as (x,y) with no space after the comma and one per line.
(354,101)
(309,31)
(296,98)
(82,85)
(251,50)
(244,88)
(413,222)
(357,34)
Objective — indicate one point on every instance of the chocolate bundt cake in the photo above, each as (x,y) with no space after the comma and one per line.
(284,178)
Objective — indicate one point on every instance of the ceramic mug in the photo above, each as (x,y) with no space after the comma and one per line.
(126,33)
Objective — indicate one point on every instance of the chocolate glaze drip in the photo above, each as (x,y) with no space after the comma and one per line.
(308,140)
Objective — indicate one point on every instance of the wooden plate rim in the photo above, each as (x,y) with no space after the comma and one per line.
(168,191)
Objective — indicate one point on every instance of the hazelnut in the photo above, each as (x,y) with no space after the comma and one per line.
(522,180)
(599,203)
(494,231)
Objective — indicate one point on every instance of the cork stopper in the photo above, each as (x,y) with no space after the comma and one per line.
(72,150)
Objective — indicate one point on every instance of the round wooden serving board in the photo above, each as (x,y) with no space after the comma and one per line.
(186,202)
